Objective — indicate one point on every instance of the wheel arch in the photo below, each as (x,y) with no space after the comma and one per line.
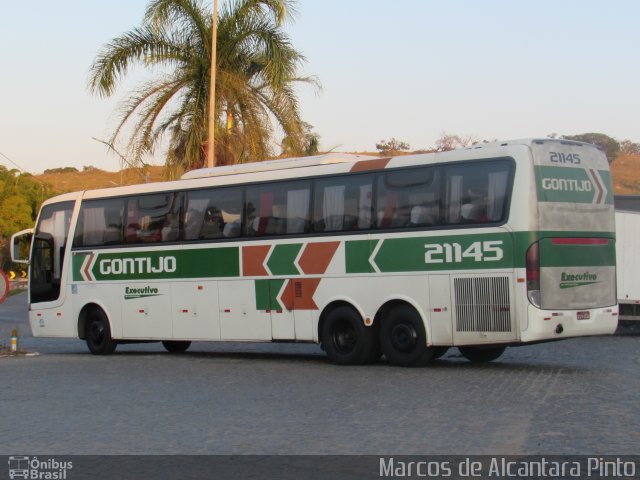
(390,303)
(332,305)
(84,314)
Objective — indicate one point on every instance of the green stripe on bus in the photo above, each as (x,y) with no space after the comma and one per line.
(576,255)
(357,253)
(467,252)
(573,185)
(267,294)
(158,264)
(281,261)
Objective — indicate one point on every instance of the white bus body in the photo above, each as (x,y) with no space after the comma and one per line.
(628,255)
(481,248)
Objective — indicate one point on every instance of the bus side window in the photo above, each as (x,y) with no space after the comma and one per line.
(278,208)
(476,193)
(343,203)
(148,215)
(408,198)
(213,213)
(100,223)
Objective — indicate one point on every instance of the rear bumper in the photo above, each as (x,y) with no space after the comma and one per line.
(559,324)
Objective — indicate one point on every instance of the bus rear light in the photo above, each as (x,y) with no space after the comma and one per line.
(580,241)
(532,262)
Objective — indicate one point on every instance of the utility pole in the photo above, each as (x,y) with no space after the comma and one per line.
(212,92)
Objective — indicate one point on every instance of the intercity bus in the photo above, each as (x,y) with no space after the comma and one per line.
(480,248)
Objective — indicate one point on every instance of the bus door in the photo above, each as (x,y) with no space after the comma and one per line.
(48,253)
(46,267)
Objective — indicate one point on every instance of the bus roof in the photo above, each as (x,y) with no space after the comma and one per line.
(281,164)
(292,168)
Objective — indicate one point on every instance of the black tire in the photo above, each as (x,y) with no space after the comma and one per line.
(176,346)
(98,333)
(481,354)
(439,352)
(347,340)
(403,338)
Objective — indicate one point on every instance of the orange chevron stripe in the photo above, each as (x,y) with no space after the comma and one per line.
(366,165)
(316,257)
(298,294)
(253,260)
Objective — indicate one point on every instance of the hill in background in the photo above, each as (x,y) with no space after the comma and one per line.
(626,174)
(71,181)
(625,171)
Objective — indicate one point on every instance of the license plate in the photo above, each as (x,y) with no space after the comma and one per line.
(583,316)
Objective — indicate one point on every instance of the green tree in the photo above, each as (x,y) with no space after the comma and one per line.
(21,196)
(610,145)
(256,71)
(391,147)
(309,147)
(16,214)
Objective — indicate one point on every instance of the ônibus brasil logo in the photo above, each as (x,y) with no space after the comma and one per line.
(572,280)
(32,468)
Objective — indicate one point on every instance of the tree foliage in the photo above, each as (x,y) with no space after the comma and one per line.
(20,198)
(610,145)
(311,143)
(630,148)
(257,68)
(392,146)
(449,141)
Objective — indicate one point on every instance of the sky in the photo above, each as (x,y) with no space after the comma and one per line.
(408,69)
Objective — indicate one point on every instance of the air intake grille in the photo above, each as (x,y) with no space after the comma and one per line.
(482,304)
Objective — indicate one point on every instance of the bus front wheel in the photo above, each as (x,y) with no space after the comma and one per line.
(403,338)
(176,346)
(347,340)
(98,333)
(481,354)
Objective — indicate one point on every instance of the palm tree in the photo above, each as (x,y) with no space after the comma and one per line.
(255,77)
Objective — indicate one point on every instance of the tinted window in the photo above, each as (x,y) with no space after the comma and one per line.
(100,223)
(214,213)
(476,193)
(408,198)
(153,218)
(343,203)
(278,208)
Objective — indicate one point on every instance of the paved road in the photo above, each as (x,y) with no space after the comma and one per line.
(579,396)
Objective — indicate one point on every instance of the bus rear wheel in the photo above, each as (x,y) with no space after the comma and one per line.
(347,340)
(481,354)
(403,338)
(98,333)
(176,346)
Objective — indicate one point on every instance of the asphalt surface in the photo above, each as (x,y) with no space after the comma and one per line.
(578,396)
